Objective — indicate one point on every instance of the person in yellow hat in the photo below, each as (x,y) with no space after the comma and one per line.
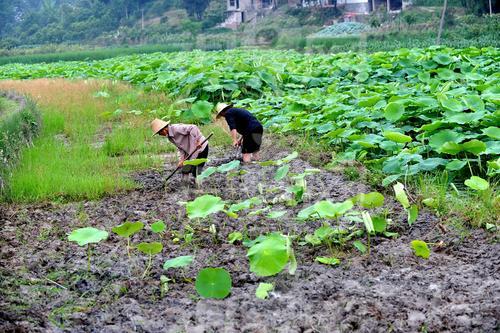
(187,139)
(241,121)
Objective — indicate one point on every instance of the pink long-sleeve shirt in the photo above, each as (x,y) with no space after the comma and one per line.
(185,138)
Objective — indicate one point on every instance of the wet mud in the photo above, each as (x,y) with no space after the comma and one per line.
(45,285)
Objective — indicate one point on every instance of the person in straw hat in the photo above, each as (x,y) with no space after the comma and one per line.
(187,139)
(243,122)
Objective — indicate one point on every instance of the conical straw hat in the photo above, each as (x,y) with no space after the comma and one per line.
(158,124)
(221,107)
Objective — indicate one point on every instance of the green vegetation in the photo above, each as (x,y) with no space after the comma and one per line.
(19,125)
(93,134)
(126,230)
(87,236)
(213,283)
(84,54)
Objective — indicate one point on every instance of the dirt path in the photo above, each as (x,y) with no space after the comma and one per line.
(45,287)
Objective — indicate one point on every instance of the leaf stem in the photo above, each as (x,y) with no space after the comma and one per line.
(128,247)
(148,266)
(468,163)
(88,257)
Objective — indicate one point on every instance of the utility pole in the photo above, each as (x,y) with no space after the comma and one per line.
(142,18)
(491,11)
(373,5)
(441,23)
(388,5)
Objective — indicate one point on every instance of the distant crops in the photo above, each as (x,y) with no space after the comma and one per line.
(405,112)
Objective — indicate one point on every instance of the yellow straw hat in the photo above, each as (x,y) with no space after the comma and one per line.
(158,124)
(221,107)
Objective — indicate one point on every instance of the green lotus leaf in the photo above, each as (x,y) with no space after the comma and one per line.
(206,173)
(432,126)
(368,222)
(451,148)
(196,161)
(362,77)
(229,166)
(281,172)
(158,226)
(477,183)
(379,224)
(492,132)
(246,204)
(331,210)
(446,74)
(234,236)
(276,214)
(400,193)
(181,261)
(474,102)
(420,249)
(394,111)
(328,260)
(288,158)
(151,248)
(360,246)
(455,165)
(263,289)
(370,200)
(213,283)
(438,139)
(84,236)
(203,206)
(397,137)
(474,146)
(412,214)
(452,104)
(269,256)
(127,229)
(442,58)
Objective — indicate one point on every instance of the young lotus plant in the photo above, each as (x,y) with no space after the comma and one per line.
(177,262)
(204,206)
(268,255)
(128,229)
(87,236)
(150,249)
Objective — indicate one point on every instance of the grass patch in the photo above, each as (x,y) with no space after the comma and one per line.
(94,134)
(455,203)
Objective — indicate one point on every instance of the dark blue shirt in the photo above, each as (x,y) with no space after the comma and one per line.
(242,121)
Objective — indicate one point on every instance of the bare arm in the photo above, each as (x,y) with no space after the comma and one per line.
(234,136)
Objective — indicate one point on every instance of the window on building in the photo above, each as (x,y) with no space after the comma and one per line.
(232,3)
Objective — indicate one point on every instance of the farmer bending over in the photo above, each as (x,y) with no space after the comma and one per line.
(187,139)
(243,122)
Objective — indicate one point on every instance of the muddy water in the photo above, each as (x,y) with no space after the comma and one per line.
(45,286)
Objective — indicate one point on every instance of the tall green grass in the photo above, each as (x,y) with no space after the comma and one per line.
(19,124)
(65,162)
(87,150)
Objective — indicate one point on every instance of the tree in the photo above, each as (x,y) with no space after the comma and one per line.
(195,8)
(441,22)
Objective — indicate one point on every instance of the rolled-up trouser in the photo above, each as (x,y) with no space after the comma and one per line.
(252,141)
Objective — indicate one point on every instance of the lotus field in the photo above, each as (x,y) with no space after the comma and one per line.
(282,244)
(405,112)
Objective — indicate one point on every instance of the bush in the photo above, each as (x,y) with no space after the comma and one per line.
(18,128)
(267,35)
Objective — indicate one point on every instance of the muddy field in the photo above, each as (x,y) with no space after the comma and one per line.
(45,285)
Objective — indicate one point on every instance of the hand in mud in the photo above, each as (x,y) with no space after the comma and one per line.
(237,143)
